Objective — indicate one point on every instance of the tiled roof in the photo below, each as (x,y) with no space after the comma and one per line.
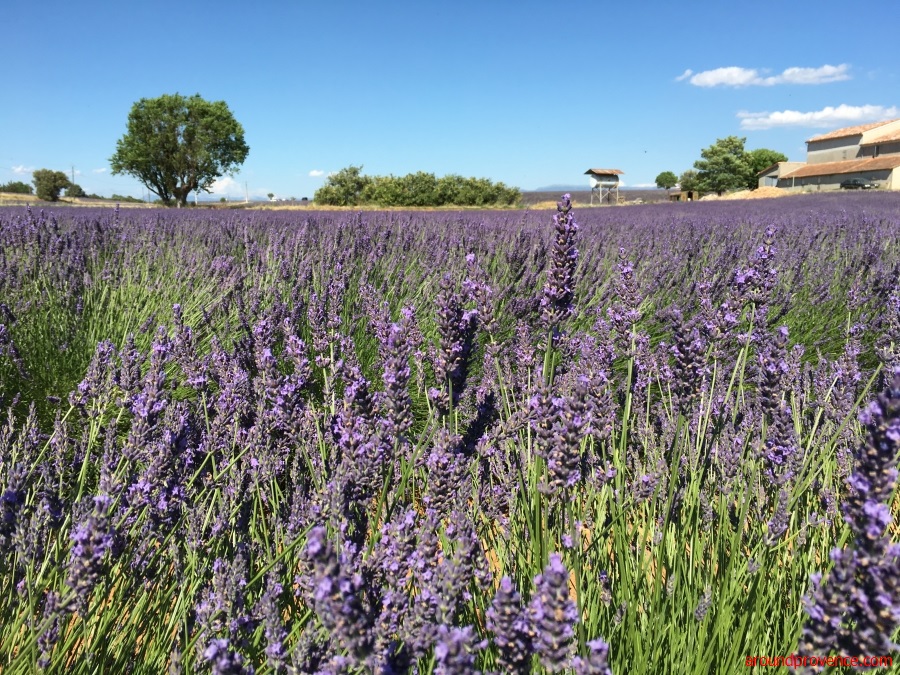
(848,166)
(849,131)
(884,138)
(604,172)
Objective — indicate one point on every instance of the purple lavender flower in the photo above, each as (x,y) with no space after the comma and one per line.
(398,348)
(338,598)
(223,660)
(456,329)
(93,541)
(688,348)
(507,620)
(223,604)
(703,606)
(275,632)
(12,503)
(557,302)
(856,609)
(553,615)
(446,473)
(454,651)
(596,662)
(51,624)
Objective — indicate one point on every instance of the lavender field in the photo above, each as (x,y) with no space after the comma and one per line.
(648,439)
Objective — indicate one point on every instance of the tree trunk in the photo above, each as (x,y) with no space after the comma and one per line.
(181,195)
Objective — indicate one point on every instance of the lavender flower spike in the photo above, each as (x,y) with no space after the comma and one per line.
(856,609)
(506,619)
(559,291)
(553,616)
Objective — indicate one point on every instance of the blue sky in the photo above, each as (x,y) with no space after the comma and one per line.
(528,93)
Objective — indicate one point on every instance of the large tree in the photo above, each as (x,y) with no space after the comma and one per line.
(176,145)
(48,183)
(760,159)
(666,180)
(723,166)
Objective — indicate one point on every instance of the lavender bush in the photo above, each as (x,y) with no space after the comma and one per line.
(646,439)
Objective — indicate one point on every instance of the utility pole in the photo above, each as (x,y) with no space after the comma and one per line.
(246,193)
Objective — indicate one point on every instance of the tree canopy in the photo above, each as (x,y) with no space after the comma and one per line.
(75,190)
(344,188)
(349,187)
(666,180)
(760,159)
(725,165)
(48,183)
(176,145)
(688,182)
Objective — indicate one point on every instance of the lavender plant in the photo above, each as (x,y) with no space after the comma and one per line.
(395,442)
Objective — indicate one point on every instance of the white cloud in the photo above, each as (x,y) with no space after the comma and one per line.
(226,186)
(731,76)
(20,169)
(315,173)
(821,75)
(103,170)
(735,76)
(830,116)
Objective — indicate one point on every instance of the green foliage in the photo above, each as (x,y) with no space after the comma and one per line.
(17,187)
(176,145)
(666,180)
(48,183)
(759,159)
(723,166)
(349,187)
(344,188)
(123,198)
(688,181)
(74,190)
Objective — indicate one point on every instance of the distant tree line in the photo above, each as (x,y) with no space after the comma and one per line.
(350,187)
(48,185)
(722,167)
(17,187)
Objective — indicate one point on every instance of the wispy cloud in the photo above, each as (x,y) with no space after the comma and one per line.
(829,116)
(735,76)
(102,170)
(21,169)
(315,173)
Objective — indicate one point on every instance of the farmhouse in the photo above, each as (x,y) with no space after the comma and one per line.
(867,151)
